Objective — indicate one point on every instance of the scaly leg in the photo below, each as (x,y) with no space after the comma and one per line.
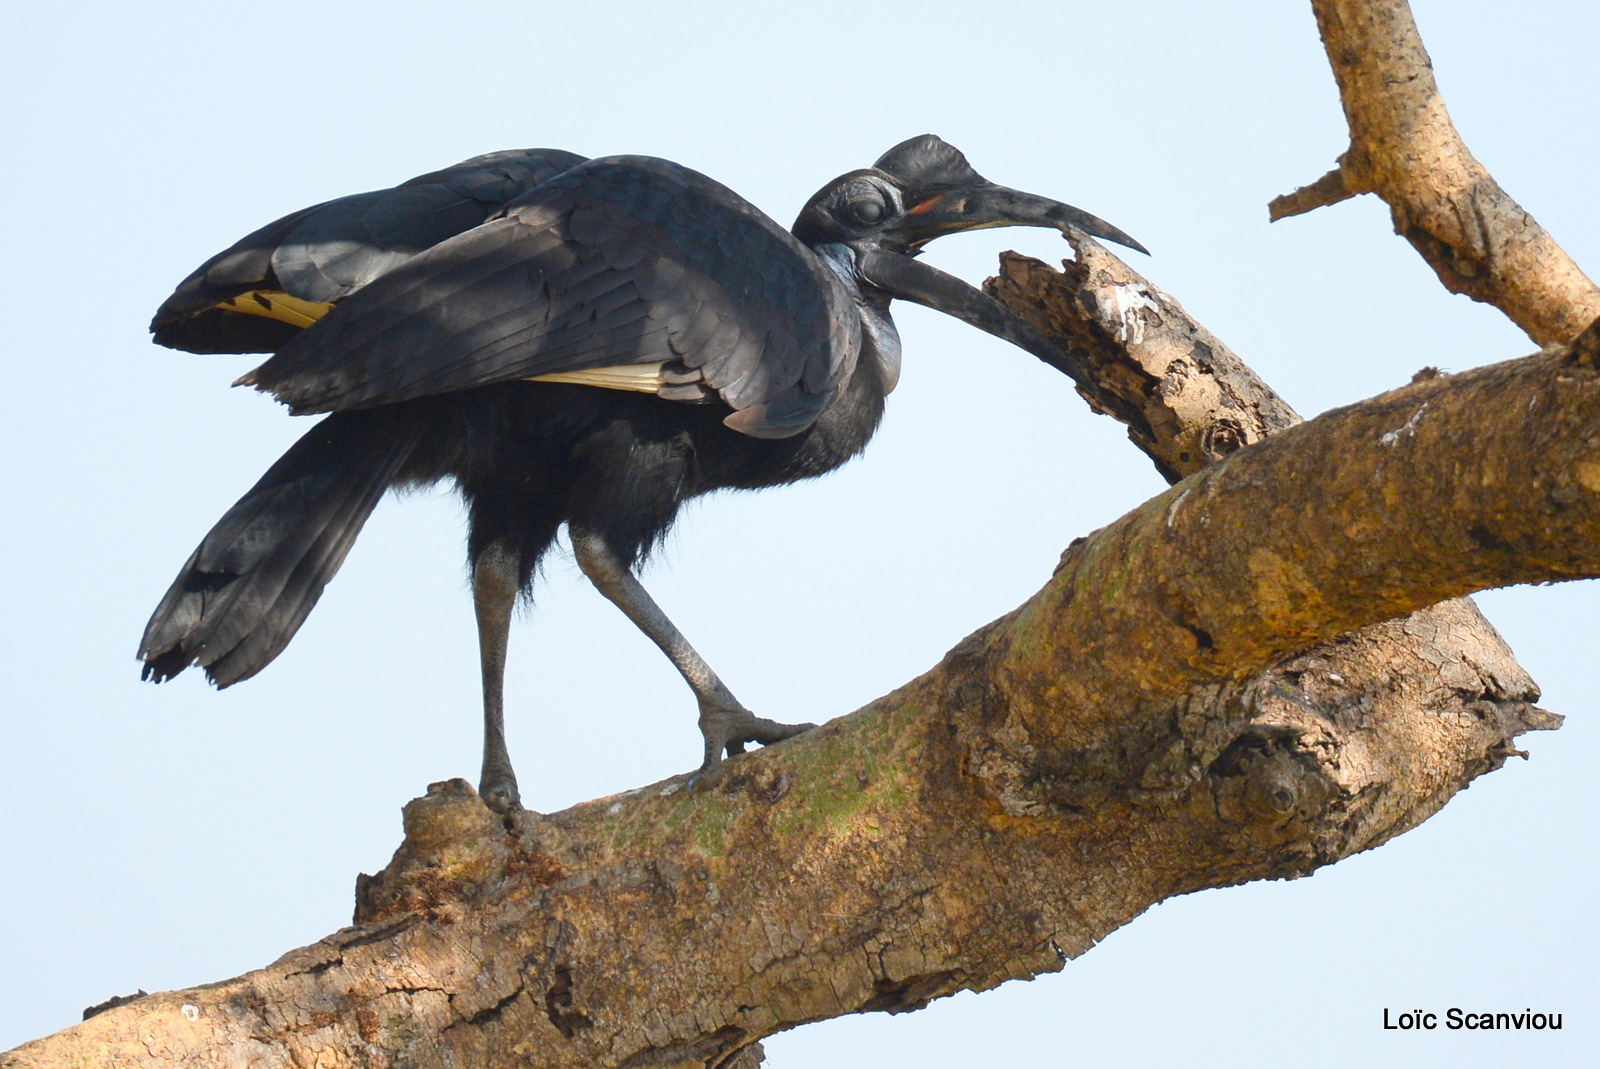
(726,724)
(494,595)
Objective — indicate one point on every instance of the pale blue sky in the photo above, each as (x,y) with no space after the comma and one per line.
(164,837)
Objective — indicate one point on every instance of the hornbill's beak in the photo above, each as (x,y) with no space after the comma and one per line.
(977,207)
(974,208)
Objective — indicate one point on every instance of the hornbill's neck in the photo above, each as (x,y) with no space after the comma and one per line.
(880,341)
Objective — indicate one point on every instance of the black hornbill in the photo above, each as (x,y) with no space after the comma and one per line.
(588,342)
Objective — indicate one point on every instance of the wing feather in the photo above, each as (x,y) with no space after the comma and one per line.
(620,261)
(326,252)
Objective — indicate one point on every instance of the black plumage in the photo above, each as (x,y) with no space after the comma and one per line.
(580,342)
(619,261)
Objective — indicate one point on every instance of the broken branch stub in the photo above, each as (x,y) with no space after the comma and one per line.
(1185,397)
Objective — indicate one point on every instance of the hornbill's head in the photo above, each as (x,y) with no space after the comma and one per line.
(920,190)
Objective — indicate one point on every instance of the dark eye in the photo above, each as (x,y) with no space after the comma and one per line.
(866,209)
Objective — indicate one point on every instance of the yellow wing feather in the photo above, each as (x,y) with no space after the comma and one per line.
(643,378)
(275,304)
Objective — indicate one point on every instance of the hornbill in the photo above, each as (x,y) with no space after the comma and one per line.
(580,342)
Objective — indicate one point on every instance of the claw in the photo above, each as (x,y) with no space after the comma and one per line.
(727,727)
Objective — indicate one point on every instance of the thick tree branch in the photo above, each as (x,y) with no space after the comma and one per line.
(1404,148)
(1453,484)
(1099,749)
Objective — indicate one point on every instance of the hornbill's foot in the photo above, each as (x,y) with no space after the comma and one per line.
(727,726)
(499,792)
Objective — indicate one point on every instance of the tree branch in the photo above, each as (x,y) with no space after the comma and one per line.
(1099,749)
(1404,148)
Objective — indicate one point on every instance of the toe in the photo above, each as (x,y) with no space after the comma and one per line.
(767,732)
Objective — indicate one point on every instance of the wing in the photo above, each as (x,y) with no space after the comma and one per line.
(266,288)
(621,264)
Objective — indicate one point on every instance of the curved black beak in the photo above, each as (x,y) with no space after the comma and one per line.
(976,207)
(914,280)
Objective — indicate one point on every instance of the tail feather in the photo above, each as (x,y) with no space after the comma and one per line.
(252,581)
(276,599)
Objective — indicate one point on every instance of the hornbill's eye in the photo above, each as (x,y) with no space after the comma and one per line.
(866,208)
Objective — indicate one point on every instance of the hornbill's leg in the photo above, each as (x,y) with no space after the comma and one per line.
(495,576)
(726,724)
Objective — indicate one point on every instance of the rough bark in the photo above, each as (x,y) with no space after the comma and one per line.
(1185,397)
(1404,148)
